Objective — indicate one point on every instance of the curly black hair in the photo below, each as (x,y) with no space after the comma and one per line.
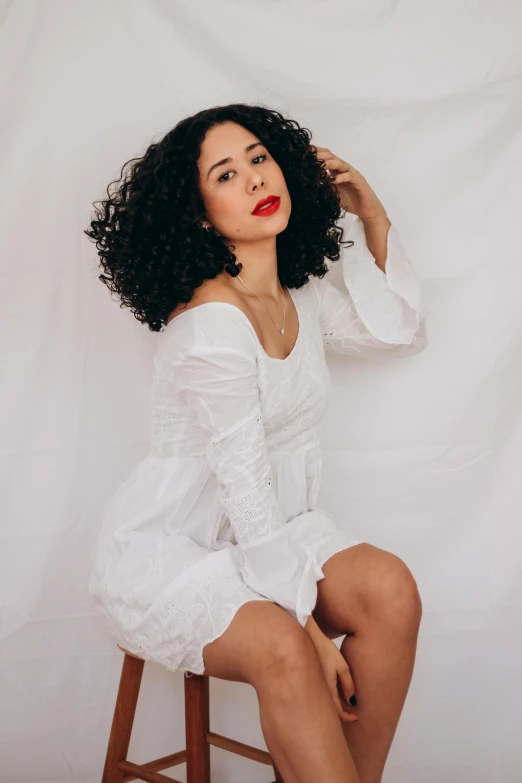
(152,249)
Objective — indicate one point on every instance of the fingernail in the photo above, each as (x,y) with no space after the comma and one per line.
(353,700)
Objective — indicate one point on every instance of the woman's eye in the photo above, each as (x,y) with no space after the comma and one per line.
(220,179)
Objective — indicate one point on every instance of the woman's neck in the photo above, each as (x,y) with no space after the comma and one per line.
(259,269)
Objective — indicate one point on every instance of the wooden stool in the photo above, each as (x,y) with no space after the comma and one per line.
(198,736)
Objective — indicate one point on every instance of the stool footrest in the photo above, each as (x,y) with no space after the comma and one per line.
(154,766)
(240,748)
(140,772)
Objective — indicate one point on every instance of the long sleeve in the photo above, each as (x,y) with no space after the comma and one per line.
(216,371)
(380,314)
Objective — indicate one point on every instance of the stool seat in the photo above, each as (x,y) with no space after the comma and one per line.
(198,737)
(132,655)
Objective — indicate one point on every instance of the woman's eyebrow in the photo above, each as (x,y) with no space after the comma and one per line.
(228,160)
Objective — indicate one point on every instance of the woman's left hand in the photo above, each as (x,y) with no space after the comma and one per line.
(355,194)
(338,677)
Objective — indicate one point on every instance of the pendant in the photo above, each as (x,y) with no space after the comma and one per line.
(282,331)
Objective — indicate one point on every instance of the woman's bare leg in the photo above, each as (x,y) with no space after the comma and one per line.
(381,658)
(372,594)
(266,647)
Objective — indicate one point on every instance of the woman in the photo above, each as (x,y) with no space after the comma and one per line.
(213,556)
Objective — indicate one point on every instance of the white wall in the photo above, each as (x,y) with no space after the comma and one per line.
(424,98)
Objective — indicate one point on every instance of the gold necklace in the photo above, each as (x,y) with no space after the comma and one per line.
(268,311)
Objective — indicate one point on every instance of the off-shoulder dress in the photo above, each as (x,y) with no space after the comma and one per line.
(223,509)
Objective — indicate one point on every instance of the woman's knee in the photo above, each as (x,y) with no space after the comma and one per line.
(286,652)
(393,593)
(263,643)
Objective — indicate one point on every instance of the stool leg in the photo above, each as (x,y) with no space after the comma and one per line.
(197,725)
(128,691)
(278,776)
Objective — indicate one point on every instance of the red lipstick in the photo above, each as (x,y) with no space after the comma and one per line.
(261,207)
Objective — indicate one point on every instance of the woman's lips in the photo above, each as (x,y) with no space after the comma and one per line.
(268,210)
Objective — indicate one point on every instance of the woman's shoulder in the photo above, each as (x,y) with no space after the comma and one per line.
(214,320)
(211,292)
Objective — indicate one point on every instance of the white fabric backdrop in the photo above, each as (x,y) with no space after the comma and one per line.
(425,99)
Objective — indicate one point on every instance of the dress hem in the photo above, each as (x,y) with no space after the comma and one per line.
(201,668)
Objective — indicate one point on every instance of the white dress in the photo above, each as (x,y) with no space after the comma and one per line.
(223,508)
